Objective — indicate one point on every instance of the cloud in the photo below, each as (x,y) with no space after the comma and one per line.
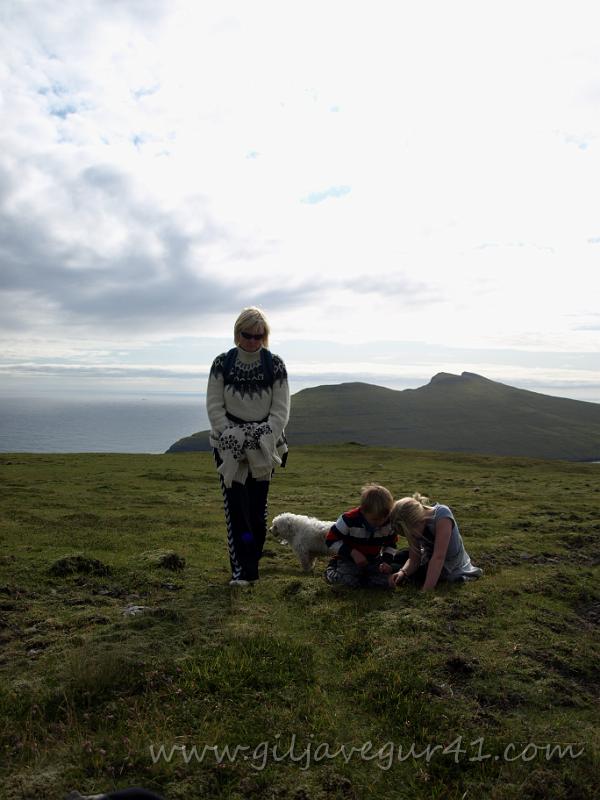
(141,201)
(397,285)
(506,245)
(94,233)
(115,260)
(181,365)
(581,142)
(103,371)
(319,197)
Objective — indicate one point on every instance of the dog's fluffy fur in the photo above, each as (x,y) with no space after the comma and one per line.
(306,535)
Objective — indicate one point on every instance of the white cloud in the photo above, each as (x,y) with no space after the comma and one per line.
(409,172)
(332,191)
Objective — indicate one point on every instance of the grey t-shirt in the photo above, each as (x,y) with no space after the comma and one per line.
(457,564)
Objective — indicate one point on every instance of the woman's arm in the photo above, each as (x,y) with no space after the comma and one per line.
(215,401)
(443,532)
(279,413)
(410,566)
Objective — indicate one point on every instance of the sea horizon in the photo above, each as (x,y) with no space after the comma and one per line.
(104,423)
(98,424)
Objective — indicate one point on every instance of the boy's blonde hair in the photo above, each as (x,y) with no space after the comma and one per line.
(249,318)
(407,513)
(376,500)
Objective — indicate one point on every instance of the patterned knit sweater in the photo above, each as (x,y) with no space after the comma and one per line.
(247,416)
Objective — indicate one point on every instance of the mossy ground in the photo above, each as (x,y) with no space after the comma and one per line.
(119,632)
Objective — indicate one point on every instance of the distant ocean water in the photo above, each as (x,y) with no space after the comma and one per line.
(51,425)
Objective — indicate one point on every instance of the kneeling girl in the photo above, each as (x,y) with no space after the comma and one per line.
(436,550)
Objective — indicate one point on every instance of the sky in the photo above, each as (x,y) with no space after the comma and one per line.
(405,188)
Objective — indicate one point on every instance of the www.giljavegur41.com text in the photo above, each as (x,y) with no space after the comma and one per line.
(384,756)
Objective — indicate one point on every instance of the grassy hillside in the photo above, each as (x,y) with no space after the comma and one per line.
(482,680)
(456,413)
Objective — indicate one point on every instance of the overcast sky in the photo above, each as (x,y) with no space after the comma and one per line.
(405,188)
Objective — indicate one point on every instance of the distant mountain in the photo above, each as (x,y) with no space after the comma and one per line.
(463,413)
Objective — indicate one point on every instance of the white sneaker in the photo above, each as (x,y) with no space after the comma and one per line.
(239,582)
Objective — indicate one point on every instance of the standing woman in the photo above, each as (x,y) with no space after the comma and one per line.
(436,550)
(248,404)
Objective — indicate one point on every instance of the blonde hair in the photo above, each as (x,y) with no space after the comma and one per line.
(406,515)
(251,317)
(376,500)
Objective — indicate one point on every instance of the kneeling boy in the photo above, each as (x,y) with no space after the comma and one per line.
(361,540)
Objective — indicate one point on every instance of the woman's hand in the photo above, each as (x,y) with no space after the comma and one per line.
(385,569)
(396,579)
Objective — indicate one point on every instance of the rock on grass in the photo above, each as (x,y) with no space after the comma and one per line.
(78,564)
(166,559)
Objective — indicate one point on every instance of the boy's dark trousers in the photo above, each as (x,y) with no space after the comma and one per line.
(345,572)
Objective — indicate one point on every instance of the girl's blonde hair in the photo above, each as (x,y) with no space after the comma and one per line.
(407,513)
(251,317)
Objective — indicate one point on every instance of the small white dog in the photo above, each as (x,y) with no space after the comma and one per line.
(306,535)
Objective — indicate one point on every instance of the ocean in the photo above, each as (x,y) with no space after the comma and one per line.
(91,425)
(98,425)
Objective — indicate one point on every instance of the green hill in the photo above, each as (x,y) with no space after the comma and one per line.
(458,413)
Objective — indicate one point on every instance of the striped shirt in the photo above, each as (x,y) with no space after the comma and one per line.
(353,532)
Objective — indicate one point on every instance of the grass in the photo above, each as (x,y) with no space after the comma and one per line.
(120,634)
